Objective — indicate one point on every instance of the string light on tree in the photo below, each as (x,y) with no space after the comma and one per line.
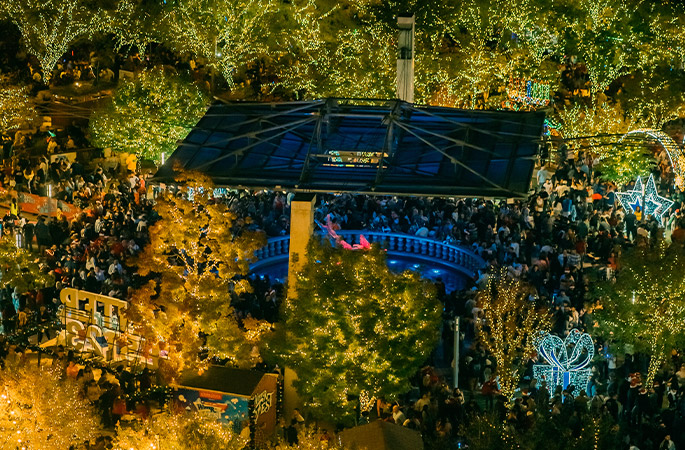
(511,327)
(40,411)
(182,431)
(16,107)
(49,27)
(645,307)
(355,330)
(185,307)
(172,107)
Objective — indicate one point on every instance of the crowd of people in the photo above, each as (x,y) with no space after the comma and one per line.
(570,226)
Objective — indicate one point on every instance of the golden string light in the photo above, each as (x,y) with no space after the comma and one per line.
(172,107)
(228,34)
(645,306)
(40,411)
(182,431)
(189,292)
(510,327)
(48,28)
(16,107)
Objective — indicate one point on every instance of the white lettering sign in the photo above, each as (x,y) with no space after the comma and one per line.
(96,323)
(262,402)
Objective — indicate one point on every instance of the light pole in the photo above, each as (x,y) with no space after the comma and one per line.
(18,238)
(456,352)
(49,199)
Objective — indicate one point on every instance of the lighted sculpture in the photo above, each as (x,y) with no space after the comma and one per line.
(646,198)
(564,369)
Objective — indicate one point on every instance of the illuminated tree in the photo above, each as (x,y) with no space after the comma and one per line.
(20,269)
(227,33)
(488,432)
(510,326)
(599,130)
(16,107)
(592,123)
(185,431)
(628,160)
(655,96)
(602,34)
(41,411)
(197,254)
(645,307)
(355,328)
(132,23)
(339,49)
(48,27)
(171,106)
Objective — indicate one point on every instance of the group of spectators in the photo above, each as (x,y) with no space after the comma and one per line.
(87,250)
(572,224)
(571,227)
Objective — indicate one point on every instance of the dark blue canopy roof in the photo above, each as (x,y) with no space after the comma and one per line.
(382,147)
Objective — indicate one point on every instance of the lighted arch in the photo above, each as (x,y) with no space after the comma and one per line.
(674,151)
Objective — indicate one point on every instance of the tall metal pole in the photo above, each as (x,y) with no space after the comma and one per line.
(456,352)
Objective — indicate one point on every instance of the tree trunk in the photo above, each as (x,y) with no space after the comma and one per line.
(655,362)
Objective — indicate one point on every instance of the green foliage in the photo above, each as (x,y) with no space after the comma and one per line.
(354,327)
(189,431)
(645,307)
(16,107)
(624,162)
(544,432)
(39,410)
(149,115)
(197,254)
(20,269)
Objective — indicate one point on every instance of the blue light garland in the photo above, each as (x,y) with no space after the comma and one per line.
(561,369)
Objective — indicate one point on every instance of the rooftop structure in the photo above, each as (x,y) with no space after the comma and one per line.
(362,146)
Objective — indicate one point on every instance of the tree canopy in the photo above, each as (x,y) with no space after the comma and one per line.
(16,106)
(355,328)
(510,327)
(172,105)
(41,411)
(184,431)
(645,306)
(199,252)
(48,27)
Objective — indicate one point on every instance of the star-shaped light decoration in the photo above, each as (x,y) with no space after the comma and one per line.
(655,205)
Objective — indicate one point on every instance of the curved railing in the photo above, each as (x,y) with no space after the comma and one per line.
(458,258)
